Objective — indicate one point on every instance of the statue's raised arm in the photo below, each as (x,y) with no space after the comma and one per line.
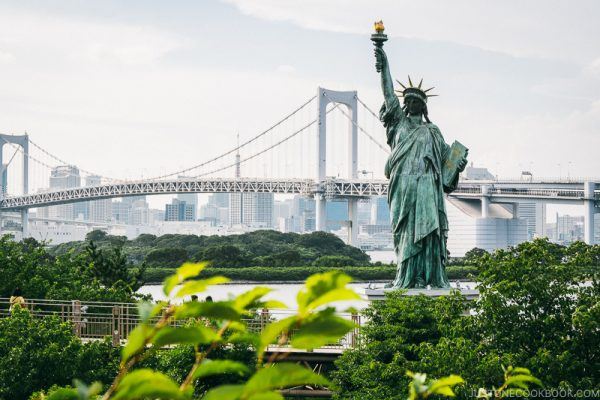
(387,85)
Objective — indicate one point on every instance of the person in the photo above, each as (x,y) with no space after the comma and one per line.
(416,188)
(16,300)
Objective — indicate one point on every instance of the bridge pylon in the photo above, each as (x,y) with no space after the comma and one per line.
(23,141)
(589,209)
(348,99)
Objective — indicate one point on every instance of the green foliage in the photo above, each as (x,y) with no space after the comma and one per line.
(36,353)
(111,268)
(473,256)
(40,275)
(166,257)
(268,274)
(313,326)
(334,261)
(260,248)
(533,311)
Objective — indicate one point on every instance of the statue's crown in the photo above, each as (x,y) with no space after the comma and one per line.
(414,91)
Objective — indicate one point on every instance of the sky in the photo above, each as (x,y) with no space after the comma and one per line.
(132,88)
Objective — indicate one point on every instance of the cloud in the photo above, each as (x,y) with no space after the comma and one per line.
(70,40)
(535,28)
(286,69)
(6,57)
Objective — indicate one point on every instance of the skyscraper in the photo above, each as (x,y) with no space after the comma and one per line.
(180,211)
(251,209)
(63,177)
(98,210)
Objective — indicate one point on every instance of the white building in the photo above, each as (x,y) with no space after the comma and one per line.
(535,215)
(251,209)
(468,229)
(98,210)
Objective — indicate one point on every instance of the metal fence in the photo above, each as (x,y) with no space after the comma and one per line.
(95,320)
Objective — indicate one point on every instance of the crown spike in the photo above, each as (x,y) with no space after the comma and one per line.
(400,83)
(410,82)
(425,91)
(420,83)
(432,95)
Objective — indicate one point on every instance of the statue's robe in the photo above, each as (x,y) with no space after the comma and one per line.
(416,198)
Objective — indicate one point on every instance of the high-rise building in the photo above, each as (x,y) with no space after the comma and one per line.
(596,228)
(468,229)
(140,212)
(535,215)
(568,229)
(303,213)
(337,214)
(121,211)
(98,210)
(380,211)
(251,209)
(220,200)
(191,199)
(64,177)
(180,211)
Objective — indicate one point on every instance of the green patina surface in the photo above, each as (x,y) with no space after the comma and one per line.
(418,169)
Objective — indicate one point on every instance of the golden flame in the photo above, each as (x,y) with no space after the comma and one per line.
(379,27)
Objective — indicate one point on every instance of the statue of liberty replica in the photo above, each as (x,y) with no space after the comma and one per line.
(421,168)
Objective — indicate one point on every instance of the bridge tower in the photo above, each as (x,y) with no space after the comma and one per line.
(348,99)
(23,141)
(588,212)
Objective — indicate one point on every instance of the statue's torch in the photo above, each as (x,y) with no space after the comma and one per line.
(379,37)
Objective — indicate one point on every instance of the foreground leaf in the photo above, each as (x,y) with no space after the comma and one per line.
(187,270)
(247,299)
(272,331)
(192,287)
(319,285)
(320,329)
(443,386)
(267,396)
(280,376)
(224,392)
(220,310)
(145,383)
(216,367)
(136,341)
(185,335)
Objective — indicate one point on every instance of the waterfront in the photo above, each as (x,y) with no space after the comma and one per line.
(284,292)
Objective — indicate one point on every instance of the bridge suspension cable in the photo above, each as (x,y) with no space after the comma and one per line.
(360,128)
(293,134)
(235,149)
(63,162)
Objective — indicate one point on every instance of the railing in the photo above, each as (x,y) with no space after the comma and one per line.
(95,320)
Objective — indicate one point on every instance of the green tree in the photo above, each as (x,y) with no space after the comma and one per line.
(96,236)
(224,256)
(533,310)
(334,261)
(111,268)
(169,257)
(473,256)
(35,353)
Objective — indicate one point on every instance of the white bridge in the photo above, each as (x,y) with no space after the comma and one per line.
(206,177)
(497,192)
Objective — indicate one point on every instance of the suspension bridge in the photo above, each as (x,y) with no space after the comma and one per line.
(312,151)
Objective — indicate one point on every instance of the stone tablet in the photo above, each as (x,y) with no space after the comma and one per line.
(458,152)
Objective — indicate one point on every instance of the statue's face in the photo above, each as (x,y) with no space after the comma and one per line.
(414,106)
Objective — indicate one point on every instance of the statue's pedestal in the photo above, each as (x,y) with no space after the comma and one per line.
(379,293)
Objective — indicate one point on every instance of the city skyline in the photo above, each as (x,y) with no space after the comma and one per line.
(513,97)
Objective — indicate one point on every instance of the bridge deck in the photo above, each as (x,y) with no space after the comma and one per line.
(560,192)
